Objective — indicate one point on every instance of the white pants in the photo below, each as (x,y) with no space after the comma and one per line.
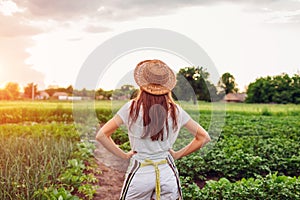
(140,182)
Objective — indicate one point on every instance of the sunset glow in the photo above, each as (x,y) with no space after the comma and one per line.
(8,8)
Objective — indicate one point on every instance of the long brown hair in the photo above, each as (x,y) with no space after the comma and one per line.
(156,109)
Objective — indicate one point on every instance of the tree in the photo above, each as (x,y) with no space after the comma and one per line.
(227,82)
(30,90)
(296,89)
(254,92)
(282,92)
(104,94)
(193,84)
(13,91)
(178,92)
(134,94)
(69,89)
(276,89)
(126,91)
(3,95)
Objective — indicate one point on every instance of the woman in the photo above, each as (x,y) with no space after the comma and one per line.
(153,121)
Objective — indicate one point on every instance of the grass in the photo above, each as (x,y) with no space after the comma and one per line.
(106,104)
(29,162)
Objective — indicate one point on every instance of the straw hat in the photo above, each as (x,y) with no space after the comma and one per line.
(154,77)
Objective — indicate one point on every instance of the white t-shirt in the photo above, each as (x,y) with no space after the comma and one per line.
(145,147)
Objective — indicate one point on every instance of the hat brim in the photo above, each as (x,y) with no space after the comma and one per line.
(156,89)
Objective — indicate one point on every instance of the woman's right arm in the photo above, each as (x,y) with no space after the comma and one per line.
(201,137)
(104,137)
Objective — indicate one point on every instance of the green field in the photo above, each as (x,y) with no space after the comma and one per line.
(43,154)
(255,154)
(230,107)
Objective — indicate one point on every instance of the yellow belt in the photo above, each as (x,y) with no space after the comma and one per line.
(148,162)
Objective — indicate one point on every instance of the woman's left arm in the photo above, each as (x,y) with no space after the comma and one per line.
(201,137)
(104,137)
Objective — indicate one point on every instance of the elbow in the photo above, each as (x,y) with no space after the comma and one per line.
(100,136)
(204,138)
(207,138)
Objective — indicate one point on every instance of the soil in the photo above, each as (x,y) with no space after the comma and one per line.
(113,174)
(110,182)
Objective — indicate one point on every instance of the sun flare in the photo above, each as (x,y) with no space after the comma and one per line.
(8,8)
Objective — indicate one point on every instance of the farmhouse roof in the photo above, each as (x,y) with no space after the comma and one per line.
(236,97)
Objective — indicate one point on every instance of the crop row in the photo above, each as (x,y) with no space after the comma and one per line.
(59,114)
(44,161)
(18,112)
(269,187)
(248,146)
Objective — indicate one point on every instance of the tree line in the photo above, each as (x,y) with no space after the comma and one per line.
(11,91)
(280,89)
(192,84)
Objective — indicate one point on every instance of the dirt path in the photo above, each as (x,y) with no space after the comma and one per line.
(112,177)
(110,182)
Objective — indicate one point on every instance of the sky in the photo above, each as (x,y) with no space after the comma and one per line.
(47,42)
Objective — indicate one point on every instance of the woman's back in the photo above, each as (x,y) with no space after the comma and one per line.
(145,146)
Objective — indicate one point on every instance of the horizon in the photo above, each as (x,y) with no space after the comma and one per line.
(21,89)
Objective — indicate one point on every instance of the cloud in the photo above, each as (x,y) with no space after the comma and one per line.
(14,26)
(15,37)
(279,5)
(62,9)
(101,11)
(69,9)
(96,29)
(12,66)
